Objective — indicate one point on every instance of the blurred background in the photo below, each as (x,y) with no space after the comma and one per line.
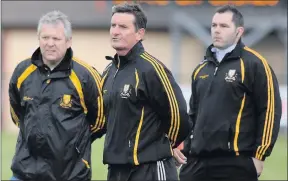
(178,34)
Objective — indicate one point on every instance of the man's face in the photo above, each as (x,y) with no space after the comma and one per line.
(223,30)
(123,32)
(53,43)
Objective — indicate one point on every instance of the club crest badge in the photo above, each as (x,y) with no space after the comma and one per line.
(66,101)
(231,75)
(126,92)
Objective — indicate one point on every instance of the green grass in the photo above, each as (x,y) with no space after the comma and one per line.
(275,167)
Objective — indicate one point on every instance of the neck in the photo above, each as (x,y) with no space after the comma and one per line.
(231,45)
(226,48)
(51,64)
(122,52)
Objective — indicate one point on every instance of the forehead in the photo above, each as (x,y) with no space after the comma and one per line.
(223,18)
(122,18)
(53,29)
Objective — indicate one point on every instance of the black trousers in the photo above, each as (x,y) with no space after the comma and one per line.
(160,170)
(230,168)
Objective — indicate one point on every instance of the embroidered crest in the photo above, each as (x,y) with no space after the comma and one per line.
(126,92)
(231,75)
(66,101)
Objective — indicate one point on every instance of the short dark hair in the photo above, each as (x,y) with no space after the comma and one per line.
(132,8)
(237,16)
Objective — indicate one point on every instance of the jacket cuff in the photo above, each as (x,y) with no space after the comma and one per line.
(259,157)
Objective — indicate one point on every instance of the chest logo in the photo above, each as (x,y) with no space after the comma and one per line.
(231,75)
(126,92)
(203,76)
(66,101)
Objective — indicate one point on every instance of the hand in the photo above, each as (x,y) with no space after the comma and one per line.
(179,157)
(259,165)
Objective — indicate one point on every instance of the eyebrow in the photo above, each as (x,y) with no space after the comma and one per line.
(213,23)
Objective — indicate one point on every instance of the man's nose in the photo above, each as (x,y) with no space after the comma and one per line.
(50,42)
(115,31)
(217,30)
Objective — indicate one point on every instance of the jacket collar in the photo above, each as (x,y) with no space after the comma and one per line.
(64,65)
(135,51)
(236,53)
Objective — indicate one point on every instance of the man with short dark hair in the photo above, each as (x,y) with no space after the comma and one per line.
(144,107)
(235,107)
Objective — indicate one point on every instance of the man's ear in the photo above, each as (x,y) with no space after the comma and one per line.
(240,32)
(140,34)
(69,43)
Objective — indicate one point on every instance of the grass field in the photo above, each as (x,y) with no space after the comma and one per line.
(275,166)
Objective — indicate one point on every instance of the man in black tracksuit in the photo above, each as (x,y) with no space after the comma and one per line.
(145,110)
(235,107)
(56,102)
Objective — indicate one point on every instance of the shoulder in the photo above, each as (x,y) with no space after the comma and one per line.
(198,68)
(151,64)
(24,65)
(253,58)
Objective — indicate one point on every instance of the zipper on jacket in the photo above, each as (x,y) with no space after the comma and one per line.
(118,67)
(215,72)
(79,138)
(217,64)
(115,74)
(119,175)
(229,145)
(229,137)
(216,69)
(110,94)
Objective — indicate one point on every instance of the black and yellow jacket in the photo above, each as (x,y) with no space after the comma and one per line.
(144,108)
(235,105)
(56,111)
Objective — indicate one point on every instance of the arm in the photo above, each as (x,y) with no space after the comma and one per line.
(268,109)
(94,102)
(167,99)
(14,98)
(192,116)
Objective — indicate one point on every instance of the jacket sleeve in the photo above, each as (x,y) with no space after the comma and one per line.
(14,99)
(167,99)
(268,109)
(193,107)
(94,103)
